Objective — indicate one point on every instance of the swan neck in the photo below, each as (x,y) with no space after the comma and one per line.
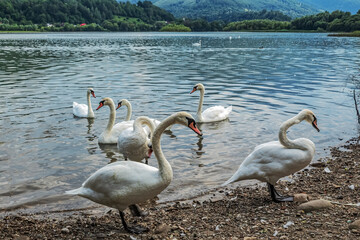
(164,166)
(90,110)
(284,140)
(112,117)
(129,112)
(144,121)
(201,101)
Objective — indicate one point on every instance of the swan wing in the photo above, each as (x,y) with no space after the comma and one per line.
(271,161)
(80,110)
(133,144)
(123,183)
(216,113)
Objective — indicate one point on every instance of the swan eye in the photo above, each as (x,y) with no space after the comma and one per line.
(191,121)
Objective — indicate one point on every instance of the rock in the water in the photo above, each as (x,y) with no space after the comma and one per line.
(355,225)
(162,228)
(301,197)
(315,205)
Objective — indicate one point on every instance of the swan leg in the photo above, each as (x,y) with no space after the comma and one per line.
(136,211)
(146,161)
(134,229)
(276,197)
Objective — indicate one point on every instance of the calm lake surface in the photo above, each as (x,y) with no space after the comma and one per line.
(266,77)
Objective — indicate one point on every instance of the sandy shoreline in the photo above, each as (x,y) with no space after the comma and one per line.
(223,214)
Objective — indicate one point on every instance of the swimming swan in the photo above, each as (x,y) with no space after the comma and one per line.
(198,44)
(83,110)
(134,143)
(273,160)
(121,184)
(212,114)
(111,133)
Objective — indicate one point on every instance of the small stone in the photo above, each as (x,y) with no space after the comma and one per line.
(21,238)
(238,217)
(301,197)
(355,225)
(315,205)
(162,228)
(65,230)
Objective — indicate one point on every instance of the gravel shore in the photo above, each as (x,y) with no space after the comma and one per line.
(240,213)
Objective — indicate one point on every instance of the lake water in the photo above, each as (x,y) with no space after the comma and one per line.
(266,77)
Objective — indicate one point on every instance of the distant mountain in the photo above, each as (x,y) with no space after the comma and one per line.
(331,5)
(211,9)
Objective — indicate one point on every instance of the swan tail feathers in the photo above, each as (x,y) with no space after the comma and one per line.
(77,191)
(238,176)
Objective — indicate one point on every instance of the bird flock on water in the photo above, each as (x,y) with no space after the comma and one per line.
(124,184)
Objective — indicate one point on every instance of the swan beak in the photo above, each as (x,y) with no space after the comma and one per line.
(194,128)
(194,89)
(93,94)
(314,123)
(118,106)
(150,152)
(100,106)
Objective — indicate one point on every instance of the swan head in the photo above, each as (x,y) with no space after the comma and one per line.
(91,91)
(198,86)
(122,102)
(105,101)
(187,120)
(310,117)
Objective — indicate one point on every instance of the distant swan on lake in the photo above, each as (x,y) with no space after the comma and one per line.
(198,44)
(83,110)
(212,114)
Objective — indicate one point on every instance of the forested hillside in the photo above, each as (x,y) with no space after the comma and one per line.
(77,11)
(227,9)
(331,5)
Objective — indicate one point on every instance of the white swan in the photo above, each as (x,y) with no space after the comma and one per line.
(111,133)
(198,44)
(83,110)
(121,184)
(134,143)
(212,114)
(273,160)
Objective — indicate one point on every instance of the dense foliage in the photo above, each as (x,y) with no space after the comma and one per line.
(232,16)
(109,15)
(259,25)
(332,22)
(27,12)
(175,28)
(213,9)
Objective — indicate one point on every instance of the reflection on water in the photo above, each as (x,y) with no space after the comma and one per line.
(266,77)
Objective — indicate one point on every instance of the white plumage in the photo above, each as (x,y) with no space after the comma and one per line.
(212,114)
(121,184)
(83,110)
(134,143)
(273,160)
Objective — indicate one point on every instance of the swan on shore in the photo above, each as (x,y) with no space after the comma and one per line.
(212,114)
(83,110)
(273,160)
(125,183)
